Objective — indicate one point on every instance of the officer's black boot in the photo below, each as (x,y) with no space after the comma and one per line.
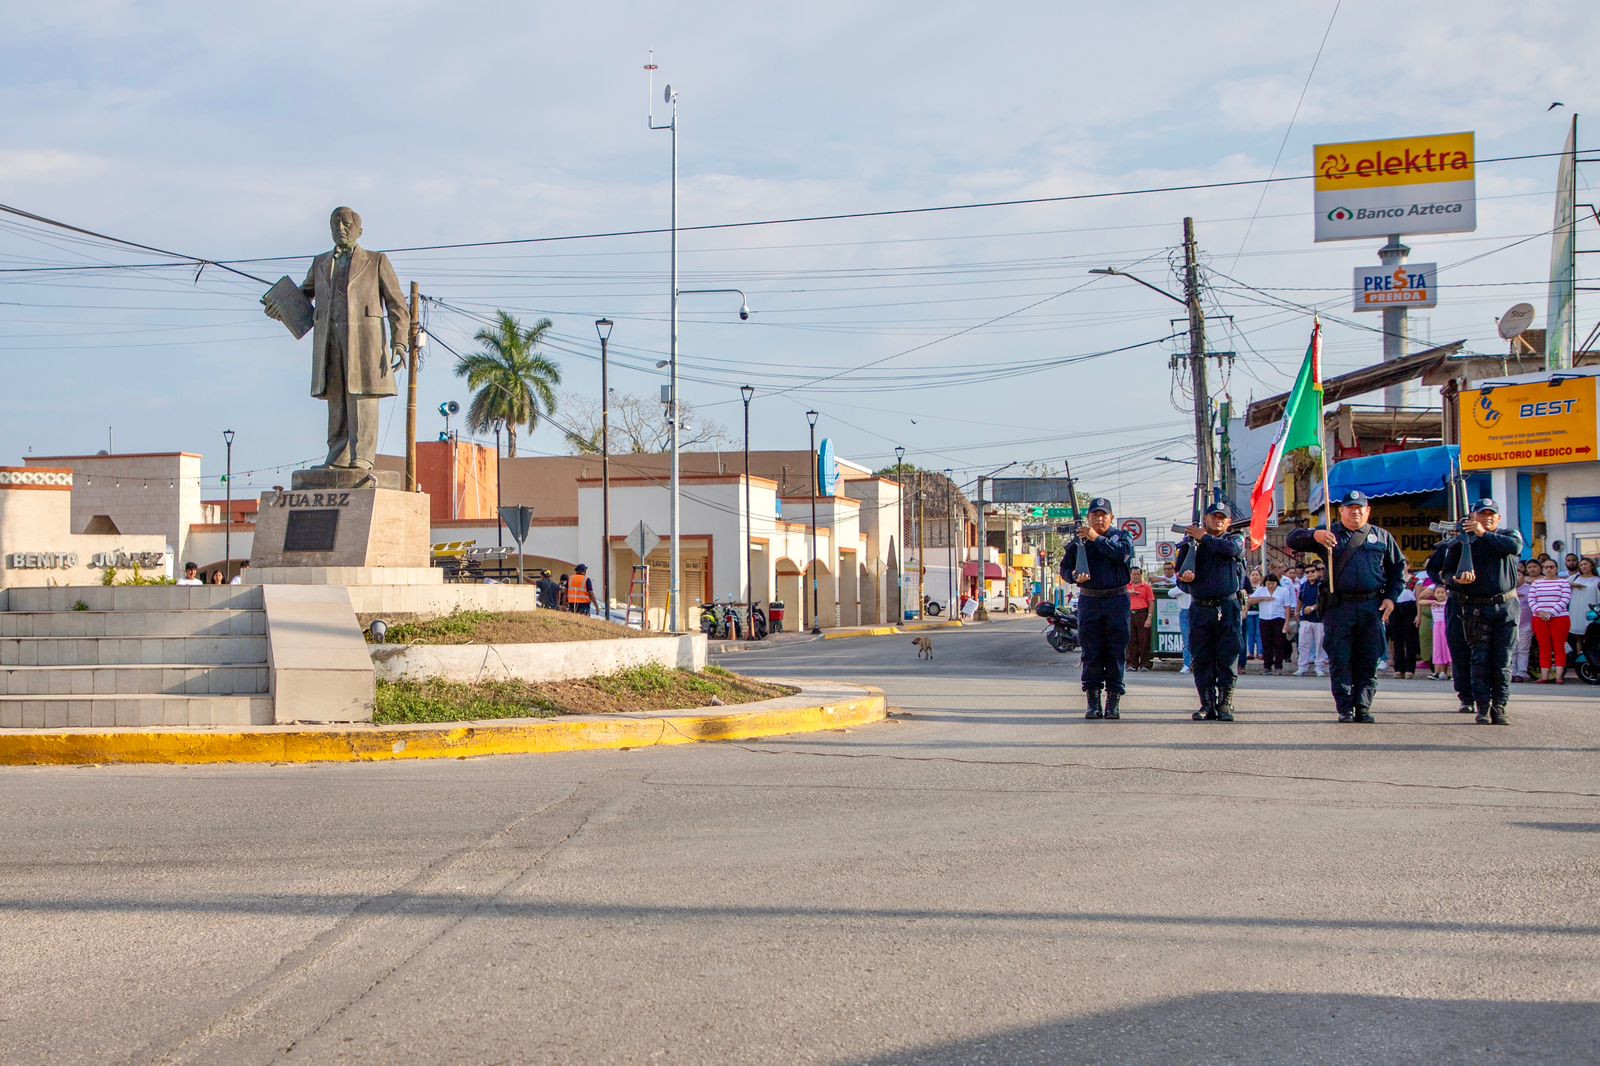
(1483,713)
(1224,705)
(1208,707)
(1095,710)
(1113,699)
(1466,708)
(1497,714)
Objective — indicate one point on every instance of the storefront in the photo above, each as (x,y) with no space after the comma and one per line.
(1409,492)
(1535,436)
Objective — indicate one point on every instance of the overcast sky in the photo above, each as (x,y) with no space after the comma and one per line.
(230,133)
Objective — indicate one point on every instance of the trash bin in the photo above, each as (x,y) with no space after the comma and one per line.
(775,616)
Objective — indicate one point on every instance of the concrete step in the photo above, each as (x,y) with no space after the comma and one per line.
(66,712)
(175,679)
(132,651)
(135,598)
(215,622)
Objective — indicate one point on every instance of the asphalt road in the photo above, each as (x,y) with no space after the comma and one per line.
(988,878)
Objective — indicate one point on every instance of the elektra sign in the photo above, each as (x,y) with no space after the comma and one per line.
(1412,185)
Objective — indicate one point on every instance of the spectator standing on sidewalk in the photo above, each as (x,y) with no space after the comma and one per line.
(1551,600)
(1142,602)
(1274,613)
(1402,627)
(1519,665)
(1311,654)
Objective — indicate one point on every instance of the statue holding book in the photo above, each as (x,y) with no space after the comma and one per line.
(343,302)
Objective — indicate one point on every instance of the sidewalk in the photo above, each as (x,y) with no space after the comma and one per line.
(817,706)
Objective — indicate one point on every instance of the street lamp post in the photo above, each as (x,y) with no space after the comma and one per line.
(816,602)
(745,393)
(899,534)
(499,494)
(982,614)
(675,554)
(227,517)
(954,584)
(602,326)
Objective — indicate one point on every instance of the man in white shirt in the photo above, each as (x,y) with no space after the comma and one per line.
(238,579)
(191,575)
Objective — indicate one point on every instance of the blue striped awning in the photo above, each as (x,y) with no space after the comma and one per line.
(1392,473)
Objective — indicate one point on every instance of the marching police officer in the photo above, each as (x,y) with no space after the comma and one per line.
(1484,565)
(1099,560)
(1365,574)
(1215,580)
(1460,654)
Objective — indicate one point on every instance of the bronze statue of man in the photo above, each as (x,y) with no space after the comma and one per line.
(352,291)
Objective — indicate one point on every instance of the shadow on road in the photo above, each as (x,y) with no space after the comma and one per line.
(439,903)
(1256,1027)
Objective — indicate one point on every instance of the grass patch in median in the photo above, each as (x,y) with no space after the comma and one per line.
(641,688)
(507,627)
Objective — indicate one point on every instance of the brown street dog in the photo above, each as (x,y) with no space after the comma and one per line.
(924,647)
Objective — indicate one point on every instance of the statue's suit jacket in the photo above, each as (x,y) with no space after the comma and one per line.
(373,294)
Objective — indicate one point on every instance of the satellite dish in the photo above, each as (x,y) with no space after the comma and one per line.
(666,95)
(1514,321)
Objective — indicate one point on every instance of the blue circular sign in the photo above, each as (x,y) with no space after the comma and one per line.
(827,468)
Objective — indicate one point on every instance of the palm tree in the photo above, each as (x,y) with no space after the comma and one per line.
(510,380)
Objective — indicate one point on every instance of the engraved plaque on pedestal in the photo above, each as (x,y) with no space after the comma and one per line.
(311,531)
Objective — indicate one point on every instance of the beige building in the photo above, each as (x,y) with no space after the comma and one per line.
(44,542)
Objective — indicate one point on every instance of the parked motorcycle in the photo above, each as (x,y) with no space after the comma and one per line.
(1062,632)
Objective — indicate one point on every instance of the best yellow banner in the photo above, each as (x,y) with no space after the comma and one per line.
(1538,424)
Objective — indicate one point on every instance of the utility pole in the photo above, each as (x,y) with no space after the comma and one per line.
(1204,453)
(414,364)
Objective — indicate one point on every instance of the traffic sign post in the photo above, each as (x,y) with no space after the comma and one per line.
(518,521)
(1167,551)
(643,541)
(1135,528)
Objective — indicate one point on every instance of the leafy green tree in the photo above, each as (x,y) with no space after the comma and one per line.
(511,381)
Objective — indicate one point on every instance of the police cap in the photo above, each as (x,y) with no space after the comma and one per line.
(1354,498)
(1486,504)
(1218,508)
(1100,503)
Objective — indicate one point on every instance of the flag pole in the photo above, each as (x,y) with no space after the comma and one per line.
(1322,446)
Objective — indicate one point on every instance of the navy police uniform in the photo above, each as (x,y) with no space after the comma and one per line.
(1215,618)
(1460,655)
(1484,613)
(1366,568)
(1104,615)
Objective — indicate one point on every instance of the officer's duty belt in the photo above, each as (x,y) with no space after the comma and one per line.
(1499,597)
(1218,602)
(1355,597)
(1099,594)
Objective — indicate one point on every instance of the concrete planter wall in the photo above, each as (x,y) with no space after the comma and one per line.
(534,662)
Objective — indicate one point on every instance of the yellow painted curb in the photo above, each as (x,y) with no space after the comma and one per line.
(446,741)
(949,623)
(847,634)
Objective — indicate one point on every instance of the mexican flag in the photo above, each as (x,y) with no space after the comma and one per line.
(1301,428)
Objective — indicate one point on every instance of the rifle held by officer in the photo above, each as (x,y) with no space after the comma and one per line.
(1456,528)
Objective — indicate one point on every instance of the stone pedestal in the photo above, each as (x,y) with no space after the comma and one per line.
(340,527)
(341,477)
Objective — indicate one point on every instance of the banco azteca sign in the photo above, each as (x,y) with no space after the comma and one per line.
(1412,185)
